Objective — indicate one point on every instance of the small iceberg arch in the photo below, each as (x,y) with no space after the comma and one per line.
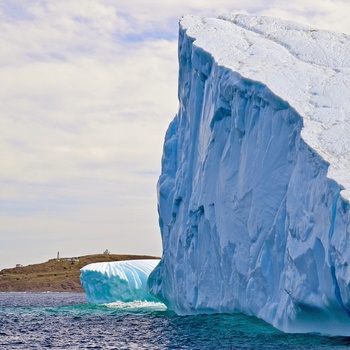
(124,281)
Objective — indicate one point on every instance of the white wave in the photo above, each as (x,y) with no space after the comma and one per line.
(137,305)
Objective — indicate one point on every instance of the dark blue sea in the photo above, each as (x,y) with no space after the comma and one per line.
(66,321)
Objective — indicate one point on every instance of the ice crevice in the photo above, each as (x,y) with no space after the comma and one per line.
(253,197)
(332,266)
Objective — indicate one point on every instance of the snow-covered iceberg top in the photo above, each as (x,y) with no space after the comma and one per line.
(125,281)
(306,67)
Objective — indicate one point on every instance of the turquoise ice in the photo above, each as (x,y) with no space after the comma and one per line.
(126,281)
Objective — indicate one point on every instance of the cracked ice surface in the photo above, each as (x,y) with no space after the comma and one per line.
(254,191)
(108,282)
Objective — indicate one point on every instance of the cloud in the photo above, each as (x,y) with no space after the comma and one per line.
(328,14)
(88,89)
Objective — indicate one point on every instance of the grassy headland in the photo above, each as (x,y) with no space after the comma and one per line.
(55,275)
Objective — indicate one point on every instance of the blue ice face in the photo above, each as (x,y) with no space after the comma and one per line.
(251,221)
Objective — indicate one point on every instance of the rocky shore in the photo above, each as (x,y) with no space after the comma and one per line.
(55,275)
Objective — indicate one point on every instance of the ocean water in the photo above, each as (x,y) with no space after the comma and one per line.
(66,321)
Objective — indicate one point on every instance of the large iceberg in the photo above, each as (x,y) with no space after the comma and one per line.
(255,184)
(125,281)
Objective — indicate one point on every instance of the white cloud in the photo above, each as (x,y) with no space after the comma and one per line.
(87,90)
(86,109)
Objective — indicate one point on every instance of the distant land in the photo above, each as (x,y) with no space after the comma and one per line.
(55,275)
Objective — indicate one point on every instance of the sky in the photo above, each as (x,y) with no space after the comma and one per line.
(88,88)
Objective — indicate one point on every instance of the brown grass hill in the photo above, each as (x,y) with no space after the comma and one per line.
(55,275)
